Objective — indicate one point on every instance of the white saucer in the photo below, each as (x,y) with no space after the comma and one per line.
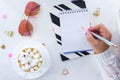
(44,52)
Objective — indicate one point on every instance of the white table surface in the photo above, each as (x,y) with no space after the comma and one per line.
(85,68)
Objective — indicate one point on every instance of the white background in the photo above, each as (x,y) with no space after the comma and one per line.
(85,68)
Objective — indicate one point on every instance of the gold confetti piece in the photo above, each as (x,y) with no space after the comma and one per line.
(43,44)
(65,71)
(3,46)
(9,33)
(97,12)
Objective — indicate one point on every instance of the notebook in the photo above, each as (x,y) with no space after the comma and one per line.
(55,25)
(72,23)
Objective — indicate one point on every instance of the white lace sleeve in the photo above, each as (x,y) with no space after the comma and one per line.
(109,64)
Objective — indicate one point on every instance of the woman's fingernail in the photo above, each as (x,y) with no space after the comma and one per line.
(87,33)
(89,28)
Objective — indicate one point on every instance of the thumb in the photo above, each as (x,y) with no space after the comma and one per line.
(90,38)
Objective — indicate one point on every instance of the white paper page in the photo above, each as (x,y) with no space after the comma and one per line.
(118,21)
(73,37)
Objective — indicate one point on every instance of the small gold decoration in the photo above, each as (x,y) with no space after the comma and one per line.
(97,12)
(3,46)
(65,71)
(9,33)
(43,44)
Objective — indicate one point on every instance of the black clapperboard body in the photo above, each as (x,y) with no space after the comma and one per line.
(54,14)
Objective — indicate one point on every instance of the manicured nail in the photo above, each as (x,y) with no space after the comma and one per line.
(87,33)
(89,28)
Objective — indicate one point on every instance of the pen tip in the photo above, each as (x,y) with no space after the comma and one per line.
(115,46)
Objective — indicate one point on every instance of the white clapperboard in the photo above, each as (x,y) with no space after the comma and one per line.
(54,14)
